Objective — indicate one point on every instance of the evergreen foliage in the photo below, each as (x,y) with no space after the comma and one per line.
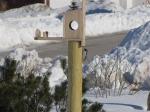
(84,105)
(8,70)
(91,107)
(96,107)
(60,97)
(60,94)
(84,86)
(32,93)
(64,65)
(20,94)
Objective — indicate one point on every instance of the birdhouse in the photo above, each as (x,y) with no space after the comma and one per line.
(74,25)
(47,3)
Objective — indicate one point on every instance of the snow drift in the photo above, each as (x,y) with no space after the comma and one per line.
(133,54)
(136,46)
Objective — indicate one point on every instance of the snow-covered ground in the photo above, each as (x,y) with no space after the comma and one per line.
(18,25)
(126,103)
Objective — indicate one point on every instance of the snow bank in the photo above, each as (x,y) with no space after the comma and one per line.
(27,11)
(30,61)
(59,3)
(18,25)
(22,32)
(133,55)
(137,50)
(117,21)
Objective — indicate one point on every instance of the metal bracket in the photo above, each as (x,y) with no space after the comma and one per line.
(49,38)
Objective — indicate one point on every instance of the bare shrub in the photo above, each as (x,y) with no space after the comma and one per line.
(107,76)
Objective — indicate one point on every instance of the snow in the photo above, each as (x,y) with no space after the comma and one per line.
(126,103)
(59,3)
(26,11)
(136,47)
(134,50)
(18,25)
(29,61)
(57,74)
(133,53)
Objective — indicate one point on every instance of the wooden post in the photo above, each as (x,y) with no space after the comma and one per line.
(76,41)
(75,76)
(148,102)
(74,33)
(45,34)
(47,2)
(37,33)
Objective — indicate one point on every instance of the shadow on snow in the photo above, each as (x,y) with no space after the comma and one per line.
(129,105)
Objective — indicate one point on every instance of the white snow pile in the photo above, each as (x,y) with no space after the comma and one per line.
(27,11)
(136,49)
(132,57)
(102,23)
(18,25)
(22,32)
(29,61)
